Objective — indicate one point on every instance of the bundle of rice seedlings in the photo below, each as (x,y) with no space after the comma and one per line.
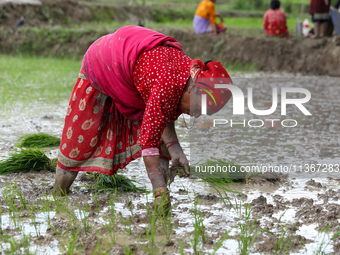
(117,181)
(25,161)
(40,140)
(226,171)
(219,172)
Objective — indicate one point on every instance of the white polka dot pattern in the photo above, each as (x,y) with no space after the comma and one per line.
(160,76)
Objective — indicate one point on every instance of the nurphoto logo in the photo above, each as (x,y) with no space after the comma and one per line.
(239,100)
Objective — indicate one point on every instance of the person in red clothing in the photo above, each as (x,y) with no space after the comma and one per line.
(274,20)
(319,10)
(132,86)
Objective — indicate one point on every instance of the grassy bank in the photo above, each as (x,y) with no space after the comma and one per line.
(231,22)
(24,79)
(69,13)
(290,6)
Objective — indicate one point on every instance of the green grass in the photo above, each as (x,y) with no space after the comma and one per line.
(28,79)
(250,23)
(240,5)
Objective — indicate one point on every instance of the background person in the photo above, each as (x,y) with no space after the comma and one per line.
(205,19)
(319,10)
(274,20)
(132,86)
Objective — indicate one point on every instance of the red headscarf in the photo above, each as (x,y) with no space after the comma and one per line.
(205,76)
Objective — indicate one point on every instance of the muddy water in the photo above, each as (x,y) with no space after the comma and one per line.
(313,142)
(305,205)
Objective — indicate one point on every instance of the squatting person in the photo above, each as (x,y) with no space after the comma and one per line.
(205,19)
(132,86)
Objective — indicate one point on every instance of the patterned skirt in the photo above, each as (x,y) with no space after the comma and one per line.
(96,137)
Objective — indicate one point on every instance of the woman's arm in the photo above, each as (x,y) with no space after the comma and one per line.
(155,171)
(169,133)
(220,16)
(170,139)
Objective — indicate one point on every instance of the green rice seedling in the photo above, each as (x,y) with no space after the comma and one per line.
(32,212)
(22,198)
(40,140)
(25,161)
(127,250)
(10,200)
(199,230)
(209,169)
(64,207)
(108,245)
(126,222)
(58,205)
(151,231)
(111,226)
(15,242)
(218,179)
(219,244)
(117,181)
(181,247)
(221,173)
(167,226)
(284,239)
(73,220)
(84,217)
(1,232)
(323,245)
(219,183)
(97,249)
(248,229)
(57,231)
(46,203)
(71,241)
(16,245)
(96,198)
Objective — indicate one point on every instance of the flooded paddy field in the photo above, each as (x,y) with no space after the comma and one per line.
(298,214)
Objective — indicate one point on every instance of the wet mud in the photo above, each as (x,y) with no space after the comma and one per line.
(271,209)
(299,207)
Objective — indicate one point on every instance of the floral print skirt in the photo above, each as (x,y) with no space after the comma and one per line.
(96,137)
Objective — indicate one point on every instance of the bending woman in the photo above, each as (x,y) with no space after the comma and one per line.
(132,86)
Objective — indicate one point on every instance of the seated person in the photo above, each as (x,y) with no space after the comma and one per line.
(274,20)
(205,18)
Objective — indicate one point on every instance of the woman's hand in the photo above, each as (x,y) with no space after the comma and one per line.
(179,158)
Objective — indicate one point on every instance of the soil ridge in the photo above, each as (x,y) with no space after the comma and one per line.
(303,56)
